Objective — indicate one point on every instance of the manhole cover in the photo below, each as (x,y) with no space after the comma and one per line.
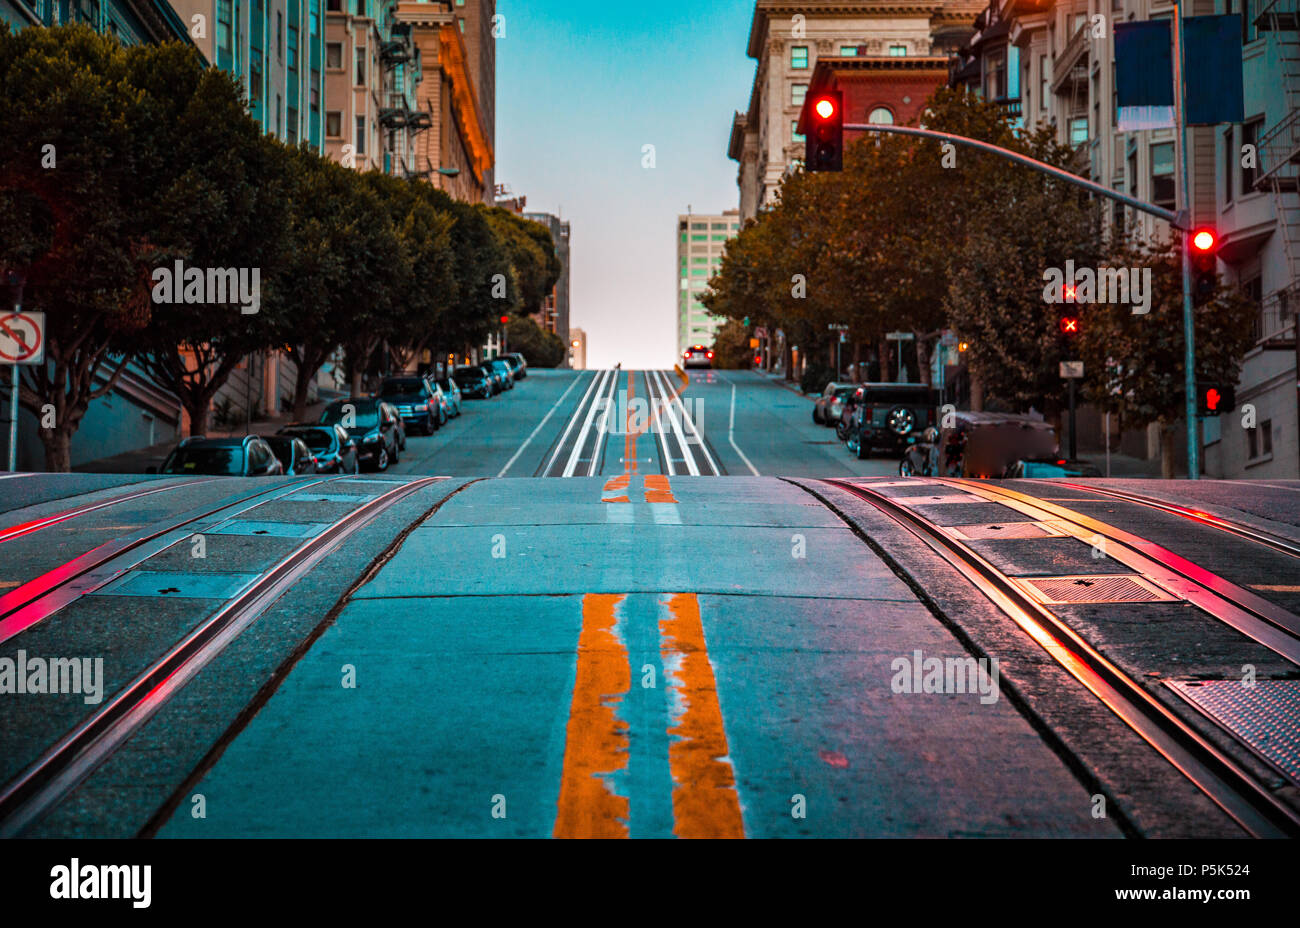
(1265,717)
(1093,588)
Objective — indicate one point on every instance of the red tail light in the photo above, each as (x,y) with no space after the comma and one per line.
(710,355)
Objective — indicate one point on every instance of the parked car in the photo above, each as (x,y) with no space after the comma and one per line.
(506,371)
(473,382)
(498,381)
(697,356)
(515,369)
(888,414)
(295,457)
(416,400)
(401,426)
(1052,467)
(452,394)
(335,452)
(827,408)
(522,372)
(374,426)
(237,456)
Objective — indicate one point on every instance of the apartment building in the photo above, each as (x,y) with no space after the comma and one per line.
(1053,64)
(701,239)
(577,349)
(480,25)
(787,40)
(555,314)
(456,152)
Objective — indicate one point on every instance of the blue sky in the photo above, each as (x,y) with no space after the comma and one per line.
(581,87)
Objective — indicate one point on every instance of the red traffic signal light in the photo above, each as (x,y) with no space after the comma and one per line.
(505,320)
(1205,276)
(1213,399)
(1204,240)
(825,138)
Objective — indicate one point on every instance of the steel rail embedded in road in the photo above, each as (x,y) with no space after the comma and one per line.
(65,764)
(1241,530)
(1251,614)
(35,525)
(562,444)
(690,423)
(1218,776)
(41,597)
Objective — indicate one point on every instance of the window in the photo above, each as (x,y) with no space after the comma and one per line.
(293,125)
(848,51)
(223,25)
(898,51)
(995,75)
(719,227)
(1163,190)
(334,55)
(333,125)
(314,18)
(361,65)
(799,56)
(361,7)
(461,22)
(1259,441)
(719,238)
(361,135)
(699,238)
(1078,130)
(697,260)
(881,116)
(794,133)
(1133,172)
(1229,161)
(279,35)
(293,47)
(334,6)
(315,90)
(1044,80)
(797,94)
(1250,132)
(700,226)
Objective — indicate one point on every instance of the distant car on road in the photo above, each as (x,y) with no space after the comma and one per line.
(522,371)
(504,373)
(335,452)
(295,457)
(1052,467)
(237,456)
(889,413)
(697,356)
(474,382)
(374,426)
(828,406)
(416,400)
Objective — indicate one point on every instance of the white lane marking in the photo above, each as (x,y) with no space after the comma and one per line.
(576,380)
(660,438)
(598,452)
(690,423)
(581,440)
(691,466)
(665,513)
(12,476)
(731,434)
(577,413)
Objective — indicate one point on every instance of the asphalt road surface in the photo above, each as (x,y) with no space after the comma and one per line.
(638,604)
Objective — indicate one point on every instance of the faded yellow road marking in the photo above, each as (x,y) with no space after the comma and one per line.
(658,490)
(705,802)
(613,485)
(596,740)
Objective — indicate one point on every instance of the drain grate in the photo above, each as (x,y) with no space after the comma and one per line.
(997,530)
(1093,588)
(179,584)
(1265,717)
(273,529)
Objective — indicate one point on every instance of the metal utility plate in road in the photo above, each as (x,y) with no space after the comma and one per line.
(1265,715)
(273,529)
(180,585)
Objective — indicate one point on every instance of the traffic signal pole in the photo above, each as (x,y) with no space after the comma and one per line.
(1189,326)
(1179,220)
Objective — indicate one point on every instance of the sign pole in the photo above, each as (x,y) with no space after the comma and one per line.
(1189,328)
(13,401)
(1074,446)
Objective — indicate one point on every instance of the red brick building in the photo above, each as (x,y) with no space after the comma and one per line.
(882,90)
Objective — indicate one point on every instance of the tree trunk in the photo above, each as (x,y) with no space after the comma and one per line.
(1166,451)
(354,383)
(976,393)
(58,449)
(301,383)
(199,408)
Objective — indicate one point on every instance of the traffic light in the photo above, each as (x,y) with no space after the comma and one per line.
(825,139)
(1068,324)
(505,320)
(1205,276)
(1213,399)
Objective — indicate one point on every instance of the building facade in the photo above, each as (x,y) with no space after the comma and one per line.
(577,349)
(555,314)
(788,39)
(700,241)
(1054,64)
(134,22)
(456,152)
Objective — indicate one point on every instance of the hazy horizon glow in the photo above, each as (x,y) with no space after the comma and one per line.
(582,86)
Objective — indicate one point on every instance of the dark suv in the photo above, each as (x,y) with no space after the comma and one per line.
(416,400)
(246,456)
(888,413)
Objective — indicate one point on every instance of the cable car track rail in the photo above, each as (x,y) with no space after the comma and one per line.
(58,770)
(1221,778)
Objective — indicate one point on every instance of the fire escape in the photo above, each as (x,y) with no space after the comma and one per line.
(1279,168)
(401,115)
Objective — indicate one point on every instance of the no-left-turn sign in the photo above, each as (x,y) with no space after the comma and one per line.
(22,338)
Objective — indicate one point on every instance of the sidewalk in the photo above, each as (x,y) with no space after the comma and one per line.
(139,460)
